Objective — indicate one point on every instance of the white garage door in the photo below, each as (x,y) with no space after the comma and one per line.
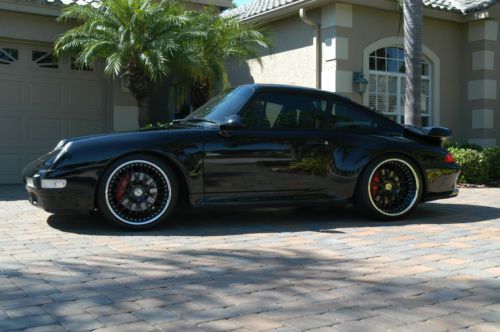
(42,100)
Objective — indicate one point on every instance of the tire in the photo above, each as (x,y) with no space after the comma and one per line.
(137,192)
(390,188)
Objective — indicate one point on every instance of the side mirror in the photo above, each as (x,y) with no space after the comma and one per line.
(232,122)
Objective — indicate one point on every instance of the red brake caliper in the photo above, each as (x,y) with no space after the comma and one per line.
(122,186)
(374,184)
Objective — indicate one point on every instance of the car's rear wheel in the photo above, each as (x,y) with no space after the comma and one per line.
(138,192)
(390,188)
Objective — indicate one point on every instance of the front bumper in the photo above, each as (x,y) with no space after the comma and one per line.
(46,190)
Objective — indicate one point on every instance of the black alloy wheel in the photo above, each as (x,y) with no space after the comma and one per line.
(389,189)
(138,192)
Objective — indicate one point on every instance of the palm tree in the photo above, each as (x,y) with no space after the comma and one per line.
(217,40)
(137,39)
(145,41)
(222,39)
(413,17)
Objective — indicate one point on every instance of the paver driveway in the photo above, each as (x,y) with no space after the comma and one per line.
(282,270)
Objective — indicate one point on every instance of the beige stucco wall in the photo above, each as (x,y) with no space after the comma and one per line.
(290,61)
(20,26)
(125,110)
(481,119)
(495,47)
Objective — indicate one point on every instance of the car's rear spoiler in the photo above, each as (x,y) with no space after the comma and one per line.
(428,135)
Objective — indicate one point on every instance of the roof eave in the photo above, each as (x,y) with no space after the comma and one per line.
(280,12)
(436,13)
(30,8)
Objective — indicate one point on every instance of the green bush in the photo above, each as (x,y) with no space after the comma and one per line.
(492,159)
(473,164)
(449,144)
(479,165)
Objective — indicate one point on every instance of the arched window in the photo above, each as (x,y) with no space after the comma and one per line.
(387,85)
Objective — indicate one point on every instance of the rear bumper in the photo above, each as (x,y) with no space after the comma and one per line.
(441,183)
(434,196)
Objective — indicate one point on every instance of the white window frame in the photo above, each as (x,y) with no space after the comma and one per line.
(434,72)
(399,114)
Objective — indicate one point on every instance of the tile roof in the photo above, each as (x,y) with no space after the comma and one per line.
(69,2)
(257,7)
(462,6)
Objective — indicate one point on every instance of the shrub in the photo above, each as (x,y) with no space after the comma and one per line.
(449,144)
(473,164)
(492,159)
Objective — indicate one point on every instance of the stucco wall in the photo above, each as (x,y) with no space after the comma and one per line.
(495,47)
(29,27)
(481,120)
(291,60)
(293,56)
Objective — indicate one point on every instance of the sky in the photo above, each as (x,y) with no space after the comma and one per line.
(241,2)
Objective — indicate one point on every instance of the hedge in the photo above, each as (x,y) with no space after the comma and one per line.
(492,156)
(479,165)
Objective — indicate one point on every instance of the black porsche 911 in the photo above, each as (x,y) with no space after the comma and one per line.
(254,144)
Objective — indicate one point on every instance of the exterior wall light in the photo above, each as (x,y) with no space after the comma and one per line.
(360,81)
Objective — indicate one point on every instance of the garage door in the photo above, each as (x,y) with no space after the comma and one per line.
(43,99)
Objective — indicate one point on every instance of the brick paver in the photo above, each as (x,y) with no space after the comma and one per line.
(250,270)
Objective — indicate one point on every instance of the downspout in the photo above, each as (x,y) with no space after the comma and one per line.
(308,21)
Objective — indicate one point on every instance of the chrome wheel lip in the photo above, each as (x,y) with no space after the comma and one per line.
(145,222)
(417,187)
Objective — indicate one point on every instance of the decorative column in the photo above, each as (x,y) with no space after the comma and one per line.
(335,19)
(482,83)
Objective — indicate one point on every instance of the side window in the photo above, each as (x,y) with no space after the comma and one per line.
(286,111)
(344,115)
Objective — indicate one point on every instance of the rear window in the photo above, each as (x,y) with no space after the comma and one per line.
(346,115)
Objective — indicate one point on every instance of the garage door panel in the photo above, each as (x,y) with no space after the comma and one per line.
(11,130)
(11,92)
(40,106)
(84,98)
(44,131)
(12,165)
(47,96)
(83,127)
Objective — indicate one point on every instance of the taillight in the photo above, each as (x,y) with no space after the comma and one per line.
(448,159)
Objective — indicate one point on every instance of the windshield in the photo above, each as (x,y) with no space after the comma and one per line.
(223,105)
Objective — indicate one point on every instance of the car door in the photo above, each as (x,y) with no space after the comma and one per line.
(282,149)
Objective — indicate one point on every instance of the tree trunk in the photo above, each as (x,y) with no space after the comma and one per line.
(412,12)
(200,92)
(138,84)
(143,116)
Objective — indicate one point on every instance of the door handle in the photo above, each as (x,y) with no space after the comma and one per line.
(318,142)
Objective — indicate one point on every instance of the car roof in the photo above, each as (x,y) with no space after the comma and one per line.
(293,88)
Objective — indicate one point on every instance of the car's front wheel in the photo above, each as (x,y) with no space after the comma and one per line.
(390,188)
(138,192)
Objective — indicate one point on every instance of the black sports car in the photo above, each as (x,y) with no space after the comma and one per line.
(254,144)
